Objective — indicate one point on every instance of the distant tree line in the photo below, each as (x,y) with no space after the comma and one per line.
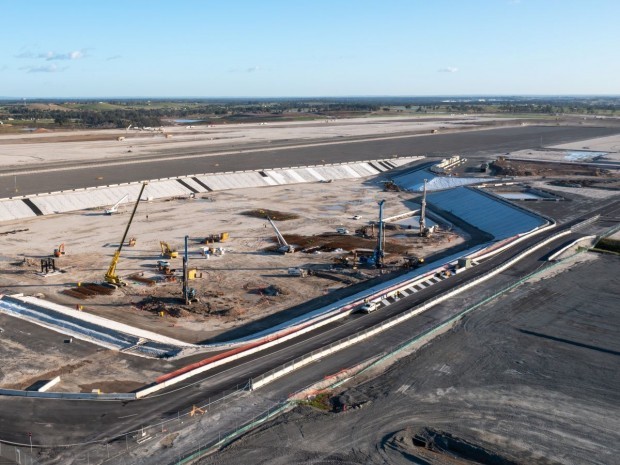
(153,112)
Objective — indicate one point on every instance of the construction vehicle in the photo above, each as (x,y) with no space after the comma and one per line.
(211,238)
(369,307)
(114,208)
(167,251)
(60,250)
(283,247)
(300,272)
(367,231)
(111,277)
(189,293)
(380,248)
(413,262)
(424,231)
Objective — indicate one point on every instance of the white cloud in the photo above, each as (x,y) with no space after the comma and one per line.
(449,69)
(49,56)
(43,69)
(114,57)
(74,55)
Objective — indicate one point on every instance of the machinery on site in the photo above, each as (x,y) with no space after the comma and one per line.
(299,272)
(60,250)
(48,265)
(212,238)
(413,262)
(189,293)
(111,277)
(114,208)
(283,246)
(167,251)
(380,248)
(424,231)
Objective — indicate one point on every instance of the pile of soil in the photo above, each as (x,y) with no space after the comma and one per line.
(506,167)
(273,214)
(329,242)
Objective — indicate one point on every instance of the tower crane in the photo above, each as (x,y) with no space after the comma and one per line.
(111,277)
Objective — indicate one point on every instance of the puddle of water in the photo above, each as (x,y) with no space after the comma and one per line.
(519,195)
(583,156)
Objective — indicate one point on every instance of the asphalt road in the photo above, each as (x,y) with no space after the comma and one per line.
(163,164)
(64,422)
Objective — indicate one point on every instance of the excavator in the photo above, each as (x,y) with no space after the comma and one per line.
(111,277)
(167,251)
(60,250)
(283,247)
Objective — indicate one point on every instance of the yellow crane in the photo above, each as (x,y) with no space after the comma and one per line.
(111,277)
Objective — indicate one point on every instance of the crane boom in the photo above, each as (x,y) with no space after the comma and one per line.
(284,246)
(423,212)
(111,276)
(114,207)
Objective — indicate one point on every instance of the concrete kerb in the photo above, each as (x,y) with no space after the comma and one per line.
(287,368)
(555,255)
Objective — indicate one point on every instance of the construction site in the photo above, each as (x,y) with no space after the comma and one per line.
(125,289)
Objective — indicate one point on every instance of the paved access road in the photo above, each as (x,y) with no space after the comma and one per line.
(161,164)
(65,422)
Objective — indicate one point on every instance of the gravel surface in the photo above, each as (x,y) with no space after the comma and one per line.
(529,378)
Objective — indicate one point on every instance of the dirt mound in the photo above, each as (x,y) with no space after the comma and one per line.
(506,167)
(412,442)
(328,242)
(273,214)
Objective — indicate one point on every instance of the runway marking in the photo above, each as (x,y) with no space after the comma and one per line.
(127,416)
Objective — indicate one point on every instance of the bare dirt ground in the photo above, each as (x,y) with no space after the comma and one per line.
(234,288)
(530,378)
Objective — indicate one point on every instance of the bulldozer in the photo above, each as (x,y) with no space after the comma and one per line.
(167,251)
(212,238)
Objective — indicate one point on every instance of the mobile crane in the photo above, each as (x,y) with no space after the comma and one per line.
(114,208)
(111,277)
(284,247)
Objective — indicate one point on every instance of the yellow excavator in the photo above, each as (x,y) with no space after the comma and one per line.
(111,277)
(167,251)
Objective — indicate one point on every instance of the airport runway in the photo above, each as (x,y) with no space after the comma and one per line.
(489,142)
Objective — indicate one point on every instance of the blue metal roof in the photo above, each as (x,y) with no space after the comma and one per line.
(491,215)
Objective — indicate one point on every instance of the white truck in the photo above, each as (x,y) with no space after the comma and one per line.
(369,307)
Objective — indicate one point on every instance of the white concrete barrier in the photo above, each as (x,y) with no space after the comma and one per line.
(49,384)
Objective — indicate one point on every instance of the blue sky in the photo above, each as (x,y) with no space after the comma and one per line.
(268,48)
